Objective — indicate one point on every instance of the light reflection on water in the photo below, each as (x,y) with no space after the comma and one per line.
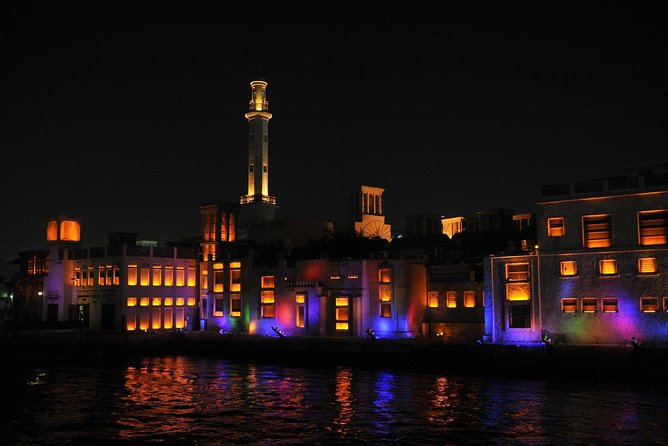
(187,400)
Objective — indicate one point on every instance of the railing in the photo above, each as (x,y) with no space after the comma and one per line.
(267,199)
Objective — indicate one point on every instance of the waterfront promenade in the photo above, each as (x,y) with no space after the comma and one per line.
(609,363)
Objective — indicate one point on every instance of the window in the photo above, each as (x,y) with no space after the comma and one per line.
(191,301)
(204,280)
(469,299)
(132,301)
(169,301)
(235,276)
(665,304)
(218,303)
(569,305)
(100,275)
(589,305)
(180,301)
(157,275)
(300,300)
(143,301)
(608,267)
(385,275)
(649,304)
(568,268)
(519,316)
(235,305)
(204,303)
(156,313)
(610,305)
(180,276)
(77,277)
(517,272)
(218,281)
(267,298)
(91,276)
(385,297)
(518,291)
(653,227)
(555,227)
(597,231)
(341,313)
(109,272)
(144,276)
(132,275)
(647,265)
(432,299)
(451,299)
(267,282)
(191,276)
(117,276)
(169,276)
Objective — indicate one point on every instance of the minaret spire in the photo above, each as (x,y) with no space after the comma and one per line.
(258,155)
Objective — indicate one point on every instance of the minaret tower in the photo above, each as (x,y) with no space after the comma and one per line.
(258,205)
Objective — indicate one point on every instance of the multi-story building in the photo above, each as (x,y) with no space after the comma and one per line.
(597,274)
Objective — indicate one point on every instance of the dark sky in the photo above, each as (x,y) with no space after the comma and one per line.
(130,115)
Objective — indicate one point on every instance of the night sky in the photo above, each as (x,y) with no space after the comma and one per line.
(129,116)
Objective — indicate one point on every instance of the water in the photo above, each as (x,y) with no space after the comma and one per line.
(186,400)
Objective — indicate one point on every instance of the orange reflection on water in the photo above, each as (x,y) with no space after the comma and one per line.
(344,399)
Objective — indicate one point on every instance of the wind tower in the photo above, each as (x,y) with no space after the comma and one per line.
(257,205)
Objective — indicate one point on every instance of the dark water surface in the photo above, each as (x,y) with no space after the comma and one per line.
(186,400)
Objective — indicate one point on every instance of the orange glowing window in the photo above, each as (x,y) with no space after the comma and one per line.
(236,265)
(385,275)
(117,276)
(144,274)
(235,305)
(109,273)
(156,318)
(132,301)
(647,265)
(267,282)
(432,299)
(451,299)
(610,305)
(91,276)
(218,303)
(568,268)
(653,227)
(168,318)
(589,305)
(204,280)
(180,301)
(300,300)
(169,276)
(342,313)
(70,231)
(143,301)
(223,227)
(218,281)
(191,277)
(180,276)
(608,267)
(77,277)
(132,275)
(169,301)
(267,304)
(518,291)
(217,266)
(597,231)
(649,304)
(232,228)
(335,277)
(385,297)
(569,305)
(555,227)
(235,280)
(353,276)
(517,272)
(191,301)
(131,322)
(179,316)
(100,275)
(52,231)
(469,299)
(157,275)
(156,301)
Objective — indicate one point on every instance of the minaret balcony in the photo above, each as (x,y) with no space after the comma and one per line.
(267,199)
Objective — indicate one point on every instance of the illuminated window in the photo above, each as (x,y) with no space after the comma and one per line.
(191,301)
(132,301)
(156,301)
(84,278)
(353,276)
(385,297)
(169,301)
(218,281)
(180,301)
(569,305)
(519,316)
(469,299)
(555,227)
(235,305)
(143,301)
(342,313)
(169,276)
(70,231)
(156,313)
(653,227)
(91,276)
(517,272)
(116,276)
(180,276)
(100,275)
(144,276)
(568,268)
(451,299)
(665,304)
(432,299)
(647,265)
(77,277)
(52,231)
(649,304)
(204,308)
(608,267)
(235,280)
(218,303)
(597,231)
(223,228)
(204,280)
(267,282)
(335,277)
(131,316)
(191,277)
(610,305)
(232,228)
(589,305)
(300,300)
(385,275)
(168,316)
(157,275)
(179,316)
(267,304)
(518,291)
(109,275)
(132,275)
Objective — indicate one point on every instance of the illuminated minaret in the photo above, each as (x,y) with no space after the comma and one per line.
(258,205)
